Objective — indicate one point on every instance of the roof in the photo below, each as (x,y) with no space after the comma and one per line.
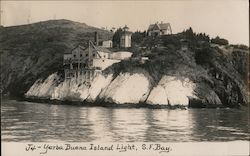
(78,46)
(161,26)
(98,48)
(164,26)
(101,49)
(151,26)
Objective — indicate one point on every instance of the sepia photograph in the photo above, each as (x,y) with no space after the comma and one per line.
(124,77)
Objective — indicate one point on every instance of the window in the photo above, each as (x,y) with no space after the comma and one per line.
(74,55)
(104,56)
(93,55)
(102,60)
(80,55)
(87,54)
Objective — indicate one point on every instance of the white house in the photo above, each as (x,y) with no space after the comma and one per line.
(158,29)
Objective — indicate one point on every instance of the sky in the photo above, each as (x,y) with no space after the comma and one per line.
(226,18)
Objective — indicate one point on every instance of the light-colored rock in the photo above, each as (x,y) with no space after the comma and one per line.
(127,88)
(172,90)
(45,88)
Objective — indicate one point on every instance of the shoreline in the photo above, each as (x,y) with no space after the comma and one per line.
(194,104)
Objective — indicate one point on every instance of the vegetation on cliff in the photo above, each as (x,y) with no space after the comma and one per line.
(219,69)
(35,51)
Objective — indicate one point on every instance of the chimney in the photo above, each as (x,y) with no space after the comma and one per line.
(96,39)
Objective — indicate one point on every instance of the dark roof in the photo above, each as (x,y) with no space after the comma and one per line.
(78,46)
(160,26)
(151,26)
(164,26)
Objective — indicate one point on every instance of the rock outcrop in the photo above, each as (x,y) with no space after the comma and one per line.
(125,88)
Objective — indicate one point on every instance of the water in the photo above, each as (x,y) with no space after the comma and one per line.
(36,122)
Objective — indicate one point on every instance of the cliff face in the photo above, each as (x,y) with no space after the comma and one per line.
(183,69)
(125,88)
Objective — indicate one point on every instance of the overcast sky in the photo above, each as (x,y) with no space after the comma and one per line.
(226,18)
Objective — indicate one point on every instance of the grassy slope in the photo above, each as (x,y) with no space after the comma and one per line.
(36,50)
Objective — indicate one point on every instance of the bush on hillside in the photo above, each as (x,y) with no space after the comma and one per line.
(220,41)
(241,46)
(138,37)
(204,56)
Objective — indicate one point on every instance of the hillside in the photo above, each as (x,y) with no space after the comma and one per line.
(36,50)
(184,68)
(220,71)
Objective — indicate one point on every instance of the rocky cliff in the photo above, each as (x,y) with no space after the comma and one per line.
(183,69)
(132,88)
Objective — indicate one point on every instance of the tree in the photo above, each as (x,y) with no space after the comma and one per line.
(116,37)
(137,37)
(190,33)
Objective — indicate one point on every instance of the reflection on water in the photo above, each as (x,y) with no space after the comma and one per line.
(26,121)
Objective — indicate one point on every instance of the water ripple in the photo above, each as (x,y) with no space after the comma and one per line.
(26,121)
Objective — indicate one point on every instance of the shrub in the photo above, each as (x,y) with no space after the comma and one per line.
(204,56)
(220,41)
(241,46)
(138,37)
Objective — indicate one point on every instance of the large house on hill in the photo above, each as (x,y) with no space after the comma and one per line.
(158,29)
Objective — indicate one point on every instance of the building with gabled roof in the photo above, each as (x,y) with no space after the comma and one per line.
(85,63)
(158,29)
